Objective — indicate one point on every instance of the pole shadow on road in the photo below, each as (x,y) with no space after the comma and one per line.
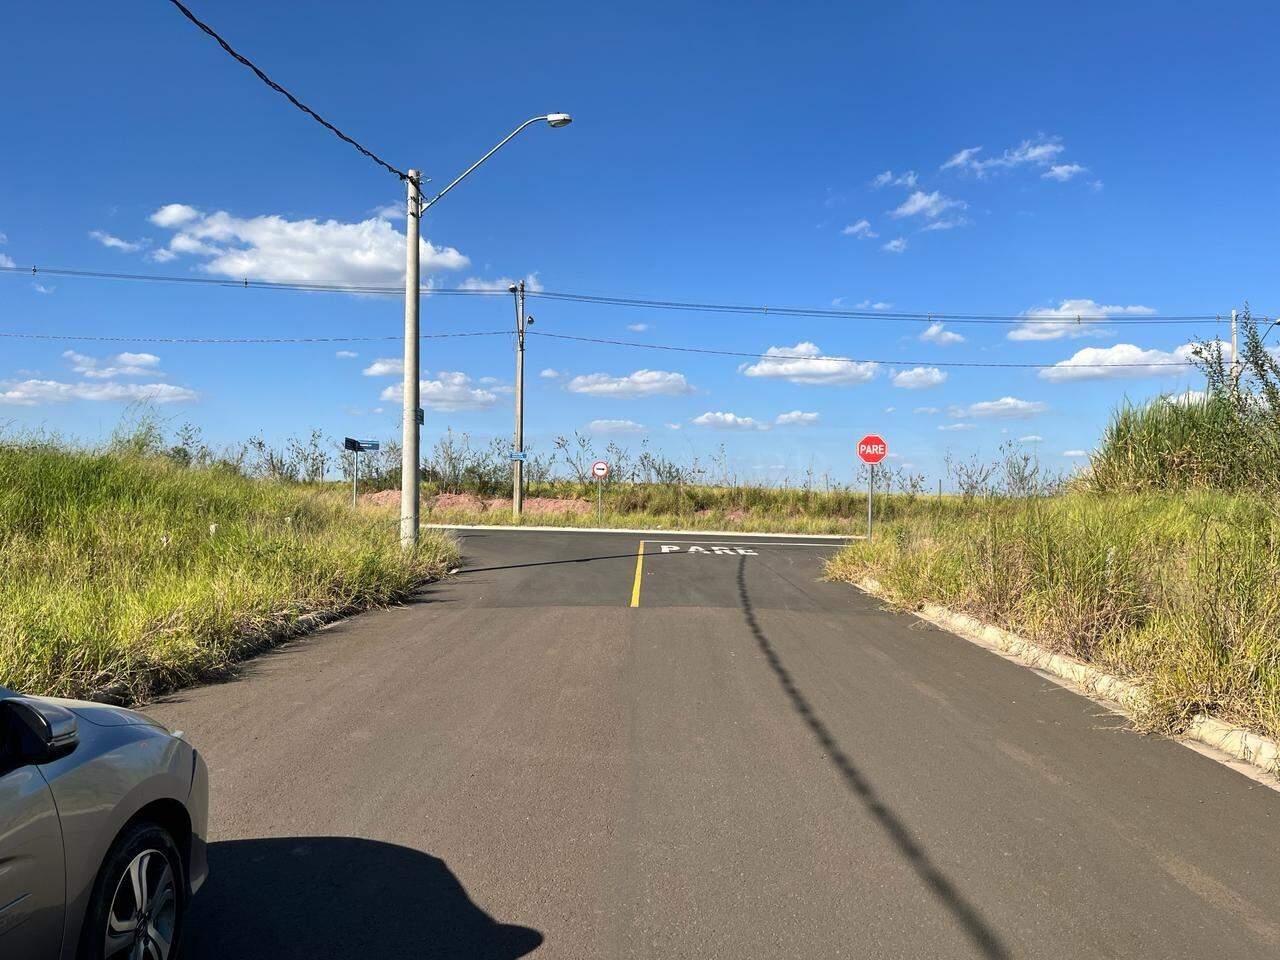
(340,897)
(984,938)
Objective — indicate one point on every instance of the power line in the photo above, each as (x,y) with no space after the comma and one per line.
(779,357)
(399,338)
(819,313)
(862,314)
(281,90)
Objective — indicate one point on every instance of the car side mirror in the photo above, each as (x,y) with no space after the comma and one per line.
(40,732)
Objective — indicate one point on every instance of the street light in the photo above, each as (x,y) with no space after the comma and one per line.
(412,415)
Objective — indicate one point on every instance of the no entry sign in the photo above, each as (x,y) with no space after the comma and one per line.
(872,448)
(599,469)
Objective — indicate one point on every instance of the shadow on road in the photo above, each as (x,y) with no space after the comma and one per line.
(340,897)
(984,938)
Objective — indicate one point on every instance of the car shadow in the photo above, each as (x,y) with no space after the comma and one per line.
(340,897)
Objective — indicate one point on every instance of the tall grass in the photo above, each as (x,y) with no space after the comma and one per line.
(1226,439)
(127,574)
(1181,591)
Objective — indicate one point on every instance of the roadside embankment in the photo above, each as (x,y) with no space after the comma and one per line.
(1178,592)
(128,575)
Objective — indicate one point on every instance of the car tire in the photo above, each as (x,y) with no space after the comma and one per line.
(143,857)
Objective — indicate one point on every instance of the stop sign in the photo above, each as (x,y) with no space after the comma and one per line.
(872,448)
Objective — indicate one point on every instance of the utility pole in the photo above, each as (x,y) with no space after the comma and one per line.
(411,426)
(517,462)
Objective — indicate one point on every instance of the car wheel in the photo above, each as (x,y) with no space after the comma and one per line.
(139,899)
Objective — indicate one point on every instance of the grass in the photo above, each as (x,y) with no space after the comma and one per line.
(128,574)
(701,507)
(1178,590)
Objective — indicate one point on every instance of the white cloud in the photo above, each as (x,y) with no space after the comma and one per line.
(919,378)
(174,215)
(30,393)
(120,365)
(1121,361)
(274,248)
(961,159)
(40,287)
(878,305)
(796,418)
(642,383)
(949,427)
(162,255)
(728,421)
(861,228)
(936,333)
(896,245)
(390,211)
(616,427)
(887,179)
(637,327)
(550,373)
(1006,408)
(6,261)
(800,364)
(385,367)
(673,426)
(926,204)
(928,410)
(452,391)
(346,354)
(1062,172)
(1041,152)
(500,284)
(1031,438)
(889,409)
(1075,453)
(114,242)
(948,224)
(1054,323)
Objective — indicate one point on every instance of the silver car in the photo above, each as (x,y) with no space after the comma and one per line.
(103,817)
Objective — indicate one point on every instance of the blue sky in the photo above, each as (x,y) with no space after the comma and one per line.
(805,154)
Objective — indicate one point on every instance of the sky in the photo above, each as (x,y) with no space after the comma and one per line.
(1008,159)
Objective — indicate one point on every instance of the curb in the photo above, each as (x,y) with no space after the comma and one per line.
(1237,742)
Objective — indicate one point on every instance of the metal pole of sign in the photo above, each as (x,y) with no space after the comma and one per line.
(871,483)
(355,476)
(600,501)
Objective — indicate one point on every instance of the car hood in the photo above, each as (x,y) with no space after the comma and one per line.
(104,715)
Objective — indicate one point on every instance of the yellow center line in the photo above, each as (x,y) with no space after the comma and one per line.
(635,587)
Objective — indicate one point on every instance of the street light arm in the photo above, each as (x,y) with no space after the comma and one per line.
(466,173)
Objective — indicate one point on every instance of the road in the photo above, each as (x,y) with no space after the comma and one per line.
(572,751)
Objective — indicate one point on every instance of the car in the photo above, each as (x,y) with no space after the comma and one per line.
(103,827)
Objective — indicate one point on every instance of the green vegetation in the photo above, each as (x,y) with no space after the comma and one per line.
(128,573)
(1181,591)
(1161,563)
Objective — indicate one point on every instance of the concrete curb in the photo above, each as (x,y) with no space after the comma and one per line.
(667,533)
(1236,742)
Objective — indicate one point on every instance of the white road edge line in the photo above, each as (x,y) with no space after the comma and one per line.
(665,533)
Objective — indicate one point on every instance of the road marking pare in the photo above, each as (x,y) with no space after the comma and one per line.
(710,551)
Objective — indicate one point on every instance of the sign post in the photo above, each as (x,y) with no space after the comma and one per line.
(600,470)
(356,446)
(871,450)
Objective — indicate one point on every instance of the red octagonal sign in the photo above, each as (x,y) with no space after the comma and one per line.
(872,448)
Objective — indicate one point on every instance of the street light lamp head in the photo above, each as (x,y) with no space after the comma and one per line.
(511,288)
(559,119)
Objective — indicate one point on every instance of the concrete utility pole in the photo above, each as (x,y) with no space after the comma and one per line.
(411,426)
(517,463)
(413,417)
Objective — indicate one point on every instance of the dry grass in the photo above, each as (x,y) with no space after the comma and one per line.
(1181,591)
(128,574)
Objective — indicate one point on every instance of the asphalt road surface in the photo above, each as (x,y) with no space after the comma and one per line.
(571,751)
